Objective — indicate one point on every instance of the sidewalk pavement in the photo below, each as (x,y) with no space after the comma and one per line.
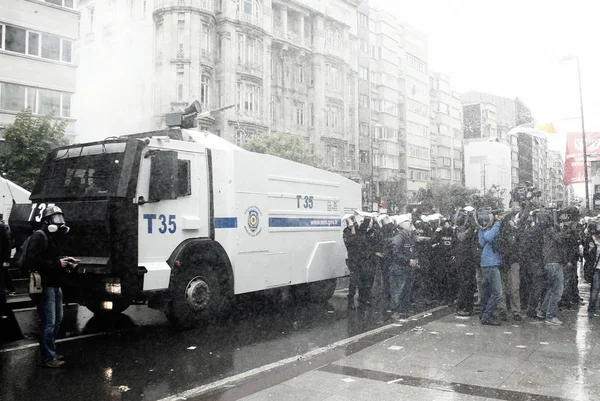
(454,358)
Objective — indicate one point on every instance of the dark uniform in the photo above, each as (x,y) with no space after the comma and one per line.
(445,281)
(359,262)
(466,260)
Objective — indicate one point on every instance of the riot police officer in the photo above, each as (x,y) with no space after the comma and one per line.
(444,275)
(355,248)
(466,259)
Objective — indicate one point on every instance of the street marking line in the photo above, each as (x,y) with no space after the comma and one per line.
(197,391)
(62,340)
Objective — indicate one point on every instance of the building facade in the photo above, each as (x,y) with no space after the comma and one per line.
(487,166)
(555,171)
(446,130)
(37,63)
(510,112)
(418,122)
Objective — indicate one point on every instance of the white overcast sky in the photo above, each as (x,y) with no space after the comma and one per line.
(512,48)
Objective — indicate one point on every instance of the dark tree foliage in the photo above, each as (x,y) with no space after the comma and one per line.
(444,196)
(28,140)
(288,147)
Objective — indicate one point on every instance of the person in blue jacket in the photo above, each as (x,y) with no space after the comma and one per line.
(490,266)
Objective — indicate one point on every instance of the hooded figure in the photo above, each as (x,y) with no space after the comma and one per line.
(44,257)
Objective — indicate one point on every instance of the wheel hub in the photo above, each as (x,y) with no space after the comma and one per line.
(197,294)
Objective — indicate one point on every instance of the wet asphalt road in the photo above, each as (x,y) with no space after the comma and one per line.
(140,356)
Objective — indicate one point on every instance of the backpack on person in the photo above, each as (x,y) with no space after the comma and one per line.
(21,259)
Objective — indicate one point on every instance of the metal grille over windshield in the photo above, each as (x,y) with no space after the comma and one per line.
(81,171)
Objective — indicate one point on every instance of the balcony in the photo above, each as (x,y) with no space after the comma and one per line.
(205,5)
(249,18)
(290,37)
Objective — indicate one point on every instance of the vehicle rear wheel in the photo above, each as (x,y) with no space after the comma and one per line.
(316,292)
(197,295)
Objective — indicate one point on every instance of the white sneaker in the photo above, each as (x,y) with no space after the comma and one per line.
(554,321)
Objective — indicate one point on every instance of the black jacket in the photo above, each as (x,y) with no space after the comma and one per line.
(5,247)
(43,255)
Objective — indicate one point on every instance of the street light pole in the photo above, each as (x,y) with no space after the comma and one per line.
(585,165)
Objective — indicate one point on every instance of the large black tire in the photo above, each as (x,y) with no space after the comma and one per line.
(317,292)
(96,308)
(197,295)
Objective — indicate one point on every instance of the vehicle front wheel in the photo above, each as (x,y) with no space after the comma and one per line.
(197,296)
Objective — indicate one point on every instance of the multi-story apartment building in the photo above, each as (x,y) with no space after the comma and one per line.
(37,63)
(418,142)
(381,106)
(487,166)
(532,160)
(510,112)
(446,130)
(555,171)
(479,121)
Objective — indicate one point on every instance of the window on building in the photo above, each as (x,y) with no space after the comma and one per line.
(91,14)
(443,108)
(48,102)
(375,105)
(181,21)
(300,74)
(389,55)
(312,114)
(33,45)
(333,117)
(363,129)
(363,20)
(443,129)
(363,73)
(241,137)
(418,129)
(205,39)
(249,50)
(333,77)
(333,156)
(375,51)
(15,39)
(249,95)
(249,10)
(333,40)
(364,46)
(417,107)
(416,63)
(219,94)
(416,86)
(389,107)
(205,92)
(12,97)
(62,3)
(454,112)
(363,156)
(418,175)
(363,101)
(180,86)
(299,113)
(418,152)
(66,51)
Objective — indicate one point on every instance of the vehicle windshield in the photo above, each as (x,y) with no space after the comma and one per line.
(81,172)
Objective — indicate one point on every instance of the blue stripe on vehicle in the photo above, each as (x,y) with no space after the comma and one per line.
(303,222)
(225,222)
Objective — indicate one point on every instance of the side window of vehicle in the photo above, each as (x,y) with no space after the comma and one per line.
(184,186)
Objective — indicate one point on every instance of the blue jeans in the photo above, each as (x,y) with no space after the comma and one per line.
(592,307)
(492,291)
(51,313)
(555,282)
(401,282)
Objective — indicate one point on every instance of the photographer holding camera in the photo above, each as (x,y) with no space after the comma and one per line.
(44,257)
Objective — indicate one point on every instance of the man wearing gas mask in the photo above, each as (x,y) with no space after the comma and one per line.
(44,257)
(490,265)
(400,252)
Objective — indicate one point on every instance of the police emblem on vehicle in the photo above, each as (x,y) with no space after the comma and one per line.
(254,216)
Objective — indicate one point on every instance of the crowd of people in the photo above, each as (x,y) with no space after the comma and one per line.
(498,264)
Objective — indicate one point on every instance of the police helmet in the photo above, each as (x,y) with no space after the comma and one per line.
(384,220)
(54,214)
(349,220)
(464,216)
